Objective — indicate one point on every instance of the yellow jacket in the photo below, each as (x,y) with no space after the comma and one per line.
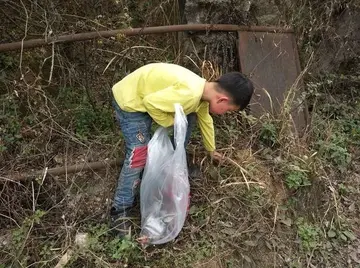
(156,87)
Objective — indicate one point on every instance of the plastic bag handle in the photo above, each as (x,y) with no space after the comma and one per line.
(180,125)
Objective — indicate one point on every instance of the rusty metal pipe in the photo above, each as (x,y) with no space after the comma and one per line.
(138,31)
(65,170)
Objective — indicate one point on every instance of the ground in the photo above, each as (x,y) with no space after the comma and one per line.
(280,201)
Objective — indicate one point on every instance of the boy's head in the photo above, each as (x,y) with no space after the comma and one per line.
(233,92)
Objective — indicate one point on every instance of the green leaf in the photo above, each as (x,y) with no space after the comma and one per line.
(286,221)
(331,234)
(247,258)
(343,237)
(193,210)
(350,235)
(251,243)
(313,244)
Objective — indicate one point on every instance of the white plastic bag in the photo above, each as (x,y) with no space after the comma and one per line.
(164,191)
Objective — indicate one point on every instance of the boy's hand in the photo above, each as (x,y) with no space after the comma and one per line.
(216,156)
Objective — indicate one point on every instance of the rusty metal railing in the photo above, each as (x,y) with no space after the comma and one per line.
(138,31)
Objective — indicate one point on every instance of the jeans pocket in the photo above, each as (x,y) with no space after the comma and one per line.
(143,133)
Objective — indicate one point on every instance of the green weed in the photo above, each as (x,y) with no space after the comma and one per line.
(268,134)
(256,196)
(335,151)
(347,189)
(89,122)
(102,244)
(199,213)
(20,235)
(88,119)
(337,117)
(6,63)
(345,235)
(10,123)
(202,250)
(309,234)
(296,178)
(123,249)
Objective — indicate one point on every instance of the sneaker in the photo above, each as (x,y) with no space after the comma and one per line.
(120,224)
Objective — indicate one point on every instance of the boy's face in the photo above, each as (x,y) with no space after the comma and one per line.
(222,105)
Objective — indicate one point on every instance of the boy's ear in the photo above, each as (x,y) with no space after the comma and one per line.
(223,99)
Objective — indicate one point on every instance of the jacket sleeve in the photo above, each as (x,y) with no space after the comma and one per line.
(160,104)
(206,126)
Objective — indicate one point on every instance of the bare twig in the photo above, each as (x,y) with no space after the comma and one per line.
(14,221)
(40,184)
(242,170)
(52,62)
(33,195)
(275,218)
(122,53)
(7,179)
(22,41)
(246,182)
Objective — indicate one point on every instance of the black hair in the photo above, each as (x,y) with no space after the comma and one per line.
(239,87)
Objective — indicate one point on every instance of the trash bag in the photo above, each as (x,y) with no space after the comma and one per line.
(164,190)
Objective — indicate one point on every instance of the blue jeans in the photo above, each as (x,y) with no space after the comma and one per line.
(136,129)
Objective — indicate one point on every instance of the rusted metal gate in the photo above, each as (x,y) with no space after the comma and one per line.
(271,61)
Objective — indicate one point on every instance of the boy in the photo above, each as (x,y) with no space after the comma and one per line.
(149,93)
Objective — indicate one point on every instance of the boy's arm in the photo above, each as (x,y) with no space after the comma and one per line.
(206,126)
(160,104)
